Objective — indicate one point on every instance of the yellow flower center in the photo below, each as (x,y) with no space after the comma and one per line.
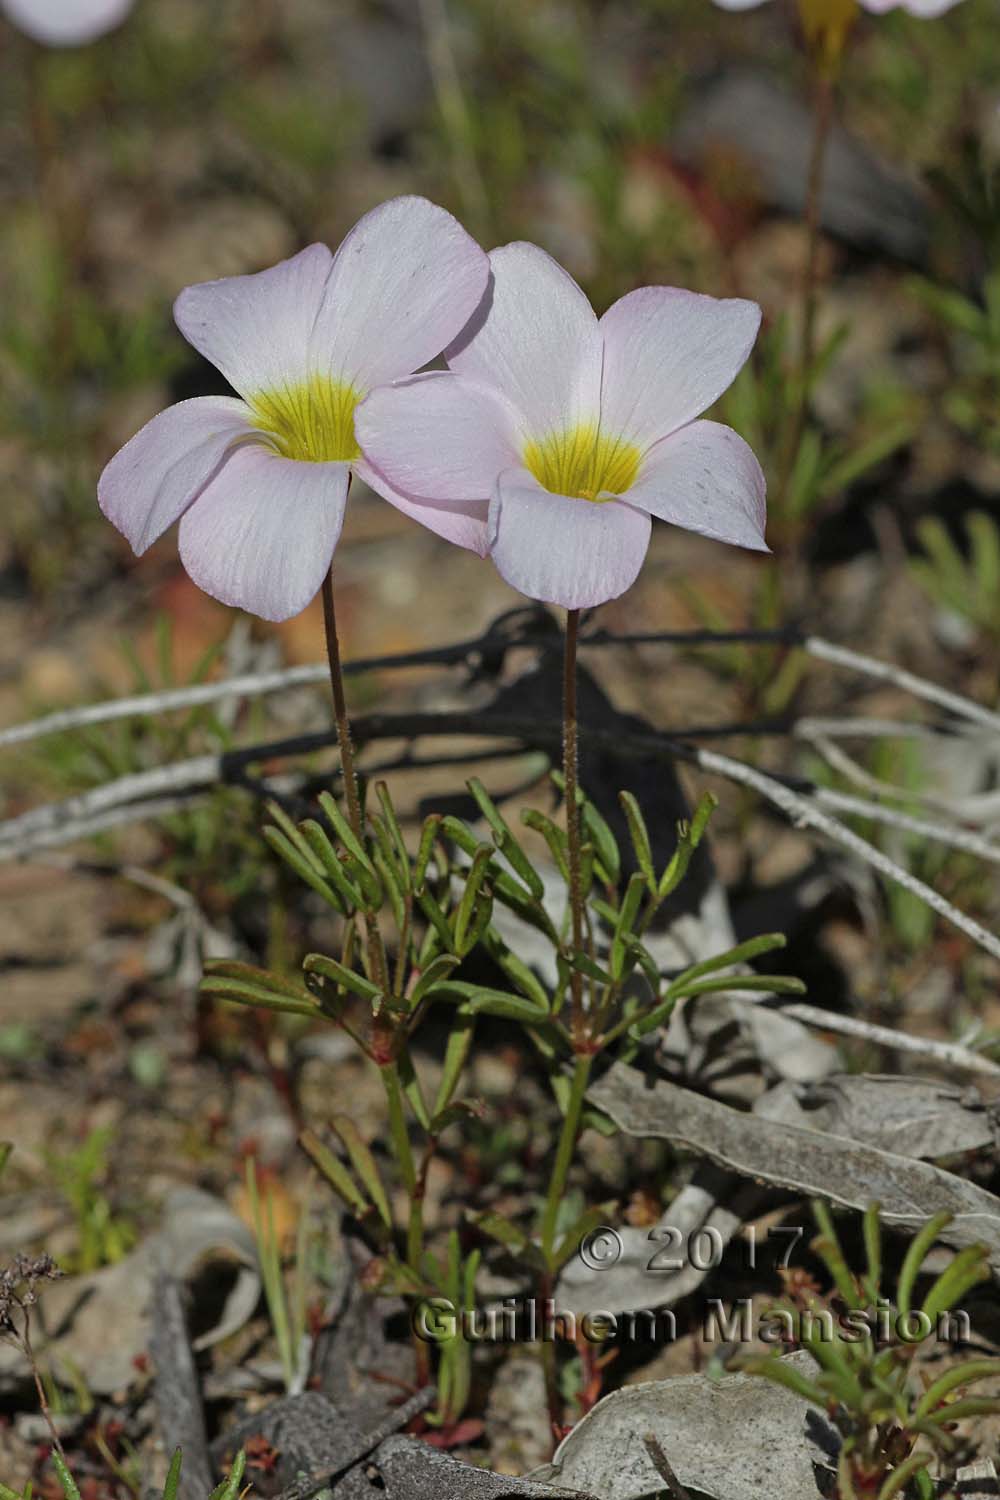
(583,462)
(312,421)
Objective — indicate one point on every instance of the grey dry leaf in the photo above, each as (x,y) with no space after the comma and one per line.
(737,1438)
(411,1470)
(920,1117)
(714,1202)
(811,1162)
(199,1231)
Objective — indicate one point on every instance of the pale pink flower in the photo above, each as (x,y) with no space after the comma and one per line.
(66,23)
(926,9)
(571,432)
(260,484)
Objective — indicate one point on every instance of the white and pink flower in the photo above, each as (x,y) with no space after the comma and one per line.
(570,432)
(926,9)
(260,482)
(66,23)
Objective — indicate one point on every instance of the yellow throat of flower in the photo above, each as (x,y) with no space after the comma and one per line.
(312,421)
(583,462)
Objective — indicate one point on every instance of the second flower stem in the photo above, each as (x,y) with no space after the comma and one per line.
(570,784)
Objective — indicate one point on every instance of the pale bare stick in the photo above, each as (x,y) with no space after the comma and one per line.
(803,813)
(919,687)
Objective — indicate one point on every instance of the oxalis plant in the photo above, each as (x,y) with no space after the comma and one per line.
(548,444)
(894,1429)
(410,917)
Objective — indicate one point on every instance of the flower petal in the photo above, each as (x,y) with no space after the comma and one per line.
(262,534)
(706,479)
(570,552)
(535,339)
(668,354)
(739,4)
(463,522)
(154,478)
(403,284)
(438,436)
(926,9)
(256,329)
(66,23)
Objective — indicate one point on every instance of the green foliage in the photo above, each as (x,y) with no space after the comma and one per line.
(229,1489)
(762,405)
(287,1308)
(971,326)
(408,920)
(865,1383)
(103,1236)
(967,584)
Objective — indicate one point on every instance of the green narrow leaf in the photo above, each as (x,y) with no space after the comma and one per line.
(468,903)
(303,867)
(969,1267)
(439,968)
(413,1091)
(6,1148)
(504,1231)
(344,831)
(872,1229)
(173,1477)
(914,1259)
(828,1247)
(902,1474)
(332,865)
(952,1380)
(245,992)
(590,1219)
(765,943)
(772,1368)
(339,974)
(428,836)
(624,927)
(395,833)
(639,834)
(456,1052)
(511,894)
(518,972)
(364,1164)
(334,1171)
(505,840)
(69,1486)
(554,837)
(777,984)
(230,1488)
(385,865)
(478,1000)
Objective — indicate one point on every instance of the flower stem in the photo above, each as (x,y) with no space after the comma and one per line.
(564,1152)
(378,966)
(348,771)
(570,782)
(407,1167)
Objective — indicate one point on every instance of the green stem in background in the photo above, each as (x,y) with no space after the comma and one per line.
(455,115)
(564,1152)
(570,780)
(823,101)
(822,121)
